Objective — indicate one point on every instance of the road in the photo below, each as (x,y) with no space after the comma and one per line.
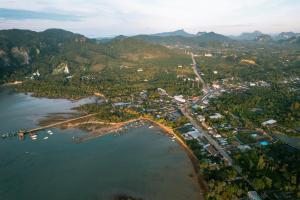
(195,68)
(188,113)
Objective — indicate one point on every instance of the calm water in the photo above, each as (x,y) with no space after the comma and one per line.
(142,162)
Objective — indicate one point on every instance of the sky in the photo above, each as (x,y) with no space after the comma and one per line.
(102,18)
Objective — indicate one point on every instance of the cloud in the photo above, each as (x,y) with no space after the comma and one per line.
(128,17)
(18,14)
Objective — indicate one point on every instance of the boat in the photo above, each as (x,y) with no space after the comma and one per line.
(4,136)
(34,137)
(150,126)
(50,132)
(45,138)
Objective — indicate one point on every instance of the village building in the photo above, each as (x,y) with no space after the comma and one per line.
(269,122)
(180,98)
(216,116)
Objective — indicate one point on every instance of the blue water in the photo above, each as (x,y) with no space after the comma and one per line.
(141,162)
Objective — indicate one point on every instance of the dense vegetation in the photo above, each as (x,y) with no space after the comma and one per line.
(24,52)
(273,169)
(260,104)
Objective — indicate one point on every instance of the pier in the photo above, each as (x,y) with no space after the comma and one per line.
(22,133)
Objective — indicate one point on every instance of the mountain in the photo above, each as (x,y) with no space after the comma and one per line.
(201,33)
(180,32)
(263,38)
(203,40)
(285,35)
(291,41)
(212,36)
(248,36)
(24,52)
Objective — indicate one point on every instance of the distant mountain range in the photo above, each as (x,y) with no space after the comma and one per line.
(259,36)
(180,32)
(181,37)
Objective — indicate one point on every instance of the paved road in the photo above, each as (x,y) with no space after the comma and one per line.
(186,112)
(196,71)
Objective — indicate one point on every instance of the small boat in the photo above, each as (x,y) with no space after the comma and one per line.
(50,132)
(45,138)
(150,126)
(4,136)
(33,138)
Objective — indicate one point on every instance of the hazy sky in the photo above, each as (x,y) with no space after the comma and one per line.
(113,17)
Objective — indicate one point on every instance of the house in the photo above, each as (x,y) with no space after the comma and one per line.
(216,86)
(180,98)
(66,70)
(140,70)
(211,149)
(143,94)
(194,134)
(269,122)
(162,91)
(215,72)
(216,116)
(201,118)
(208,55)
(244,147)
(173,116)
(252,195)
(121,104)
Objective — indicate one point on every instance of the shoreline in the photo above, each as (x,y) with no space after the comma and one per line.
(167,130)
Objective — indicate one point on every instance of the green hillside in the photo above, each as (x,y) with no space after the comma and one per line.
(23,52)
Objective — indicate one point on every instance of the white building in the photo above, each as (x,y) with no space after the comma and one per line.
(216,86)
(208,55)
(140,70)
(216,116)
(162,91)
(66,70)
(180,98)
(201,118)
(269,122)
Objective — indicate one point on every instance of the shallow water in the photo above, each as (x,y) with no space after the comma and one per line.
(141,162)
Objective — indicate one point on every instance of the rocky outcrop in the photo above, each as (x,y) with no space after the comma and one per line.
(21,54)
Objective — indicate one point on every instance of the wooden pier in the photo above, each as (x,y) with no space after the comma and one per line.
(22,133)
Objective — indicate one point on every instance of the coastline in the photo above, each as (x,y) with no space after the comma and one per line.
(168,130)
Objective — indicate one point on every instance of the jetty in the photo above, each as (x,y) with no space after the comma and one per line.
(22,133)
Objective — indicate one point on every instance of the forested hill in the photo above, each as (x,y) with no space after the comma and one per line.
(205,39)
(22,52)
